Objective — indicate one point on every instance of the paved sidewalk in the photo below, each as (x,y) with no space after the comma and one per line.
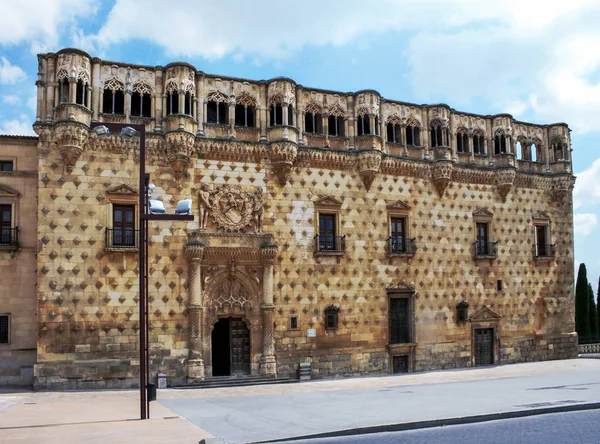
(259,413)
(106,417)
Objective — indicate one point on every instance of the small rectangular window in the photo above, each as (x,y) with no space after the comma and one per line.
(293,322)
(6,165)
(499,284)
(4,326)
(482,238)
(331,317)
(123,231)
(398,234)
(6,229)
(327,232)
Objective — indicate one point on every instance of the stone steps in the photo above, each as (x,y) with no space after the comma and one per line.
(236,381)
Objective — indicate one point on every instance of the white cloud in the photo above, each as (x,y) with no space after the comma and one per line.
(9,73)
(534,59)
(18,127)
(40,22)
(584,223)
(587,186)
(520,55)
(10,99)
(274,29)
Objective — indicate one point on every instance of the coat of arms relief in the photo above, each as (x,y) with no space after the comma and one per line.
(232,208)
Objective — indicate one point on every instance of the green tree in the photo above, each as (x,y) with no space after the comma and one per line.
(593,314)
(582,304)
(598,309)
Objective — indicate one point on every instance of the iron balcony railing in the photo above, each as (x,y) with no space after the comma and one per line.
(589,339)
(401,245)
(9,237)
(122,238)
(544,250)
(328,243)
(485,249)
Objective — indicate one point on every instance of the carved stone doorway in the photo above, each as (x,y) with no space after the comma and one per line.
(230,347)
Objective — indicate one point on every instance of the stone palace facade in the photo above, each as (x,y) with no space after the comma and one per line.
(359,234)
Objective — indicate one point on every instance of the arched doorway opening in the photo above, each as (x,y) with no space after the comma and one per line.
(230,347)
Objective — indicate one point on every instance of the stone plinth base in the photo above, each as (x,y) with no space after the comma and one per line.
(268,366)
(195,370)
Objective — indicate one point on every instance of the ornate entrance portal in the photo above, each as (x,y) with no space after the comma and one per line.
(230,342)
(230,286)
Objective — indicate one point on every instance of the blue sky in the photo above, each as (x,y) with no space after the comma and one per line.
(538,60)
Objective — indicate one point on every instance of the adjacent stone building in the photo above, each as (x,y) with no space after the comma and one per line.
(358,233)
(18,247)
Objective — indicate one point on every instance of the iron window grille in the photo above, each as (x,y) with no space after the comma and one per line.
(122,238)
(9,237)
(6,165)
(329,243)
(331,317)
(544,250)
(485,249)
(401,245)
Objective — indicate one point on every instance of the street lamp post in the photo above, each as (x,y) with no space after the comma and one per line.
(131,130)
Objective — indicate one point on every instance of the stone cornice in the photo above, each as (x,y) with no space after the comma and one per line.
(232,150)
(283,155)
(19,174)
(241,248)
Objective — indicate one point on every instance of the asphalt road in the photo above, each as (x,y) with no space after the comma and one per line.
(556,428)
(243,419)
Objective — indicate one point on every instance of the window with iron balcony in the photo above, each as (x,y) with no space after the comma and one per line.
(9,234)
(328,240)
(543,248)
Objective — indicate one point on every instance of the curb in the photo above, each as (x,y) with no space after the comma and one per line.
(404,426)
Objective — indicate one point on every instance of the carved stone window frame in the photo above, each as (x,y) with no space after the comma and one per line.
(542,219)
(331,317)
(11,159)
(122,195)
(399,210)
(484,216)
(9,196)
(328,205)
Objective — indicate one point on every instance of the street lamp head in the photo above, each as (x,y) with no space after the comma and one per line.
(128,132)
(156,206)
(101,130)
(184,207)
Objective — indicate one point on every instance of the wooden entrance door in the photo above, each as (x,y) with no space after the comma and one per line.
(230,348)
(240,347)
(484,346)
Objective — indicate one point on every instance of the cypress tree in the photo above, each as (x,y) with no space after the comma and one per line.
(593,314)
(582,304)
(598,310)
